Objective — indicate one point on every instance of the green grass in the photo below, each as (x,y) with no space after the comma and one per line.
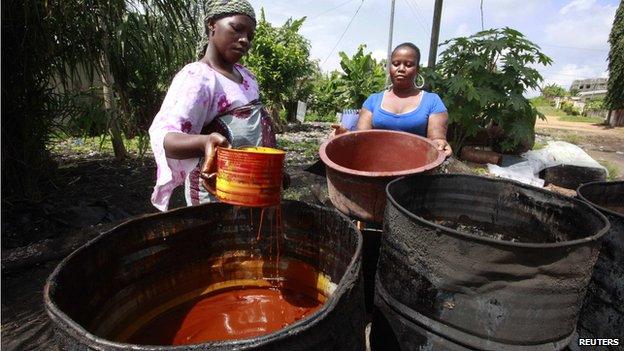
(481,171)
(572,138)
(552,111)
(611,168)
(543,106)
(581,119)
(62,143)
(313,117)
(305,148)
(538,145)
(292,194)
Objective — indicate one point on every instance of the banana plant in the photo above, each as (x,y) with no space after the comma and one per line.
(362,76)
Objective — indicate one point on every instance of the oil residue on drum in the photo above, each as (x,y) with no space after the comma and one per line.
(237,313)
(490,231)
(615,208)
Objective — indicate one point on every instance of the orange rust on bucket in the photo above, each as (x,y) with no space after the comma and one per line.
(249,176)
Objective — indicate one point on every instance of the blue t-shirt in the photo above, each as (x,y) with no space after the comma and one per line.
(414,121)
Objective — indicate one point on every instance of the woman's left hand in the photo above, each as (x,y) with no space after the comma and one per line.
(443,146)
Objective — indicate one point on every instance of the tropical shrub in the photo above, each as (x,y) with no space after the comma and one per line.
(569,108)
(595,104)
(615,85)
(326,98)
(362,75)
(28,106)
(280,59)
(124,51)
(553,90)
(482,79)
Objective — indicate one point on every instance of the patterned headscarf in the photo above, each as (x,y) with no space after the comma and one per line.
(221,8)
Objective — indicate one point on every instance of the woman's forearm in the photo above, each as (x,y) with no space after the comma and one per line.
(181,145)
(365,121)
(437,126)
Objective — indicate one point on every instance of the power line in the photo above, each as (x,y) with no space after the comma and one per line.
(413,10)
(326,11)
(574,47)
(558,68)
(564,75)
(413,6)
(343,33)
(420,10)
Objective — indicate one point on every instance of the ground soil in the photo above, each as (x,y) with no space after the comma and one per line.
(92,193)
(599,141)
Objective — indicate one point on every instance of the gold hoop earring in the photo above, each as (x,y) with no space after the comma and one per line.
(419,86)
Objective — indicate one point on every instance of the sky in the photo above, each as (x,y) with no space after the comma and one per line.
(573,33)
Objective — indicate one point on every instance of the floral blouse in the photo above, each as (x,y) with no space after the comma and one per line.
(196,96)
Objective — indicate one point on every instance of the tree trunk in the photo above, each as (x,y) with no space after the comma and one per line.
(278,125)
(108,84)
(617,118)
(291,111)
(111,109)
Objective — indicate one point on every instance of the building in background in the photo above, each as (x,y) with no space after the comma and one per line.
(590,89)
(586,98)
(590,84)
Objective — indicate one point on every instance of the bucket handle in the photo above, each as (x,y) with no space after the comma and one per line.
(209,181)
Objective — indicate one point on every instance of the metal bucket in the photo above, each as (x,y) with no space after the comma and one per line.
(249,176)
(487,264)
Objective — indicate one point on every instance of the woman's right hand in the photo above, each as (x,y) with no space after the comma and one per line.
(209,168)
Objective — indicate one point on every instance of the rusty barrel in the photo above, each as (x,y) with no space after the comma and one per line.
(602,315)
(138,269)
(469,262)
(250,176)
(360,164)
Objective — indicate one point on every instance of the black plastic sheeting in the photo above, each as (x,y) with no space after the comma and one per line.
(512,276)
(135,260)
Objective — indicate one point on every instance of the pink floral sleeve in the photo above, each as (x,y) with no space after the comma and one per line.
(185,110)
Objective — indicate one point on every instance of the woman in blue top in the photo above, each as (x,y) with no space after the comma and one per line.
(404,106)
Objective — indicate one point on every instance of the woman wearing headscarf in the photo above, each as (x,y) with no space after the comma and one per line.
(211,102)
(405,106)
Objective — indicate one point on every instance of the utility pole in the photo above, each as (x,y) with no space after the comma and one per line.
(435,33)
(390,42)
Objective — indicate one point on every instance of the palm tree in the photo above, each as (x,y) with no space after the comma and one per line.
(116,41)
(132,47)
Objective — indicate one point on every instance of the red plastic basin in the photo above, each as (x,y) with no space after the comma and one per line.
(360,164)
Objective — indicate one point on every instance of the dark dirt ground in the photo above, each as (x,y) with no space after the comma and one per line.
(91,196)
